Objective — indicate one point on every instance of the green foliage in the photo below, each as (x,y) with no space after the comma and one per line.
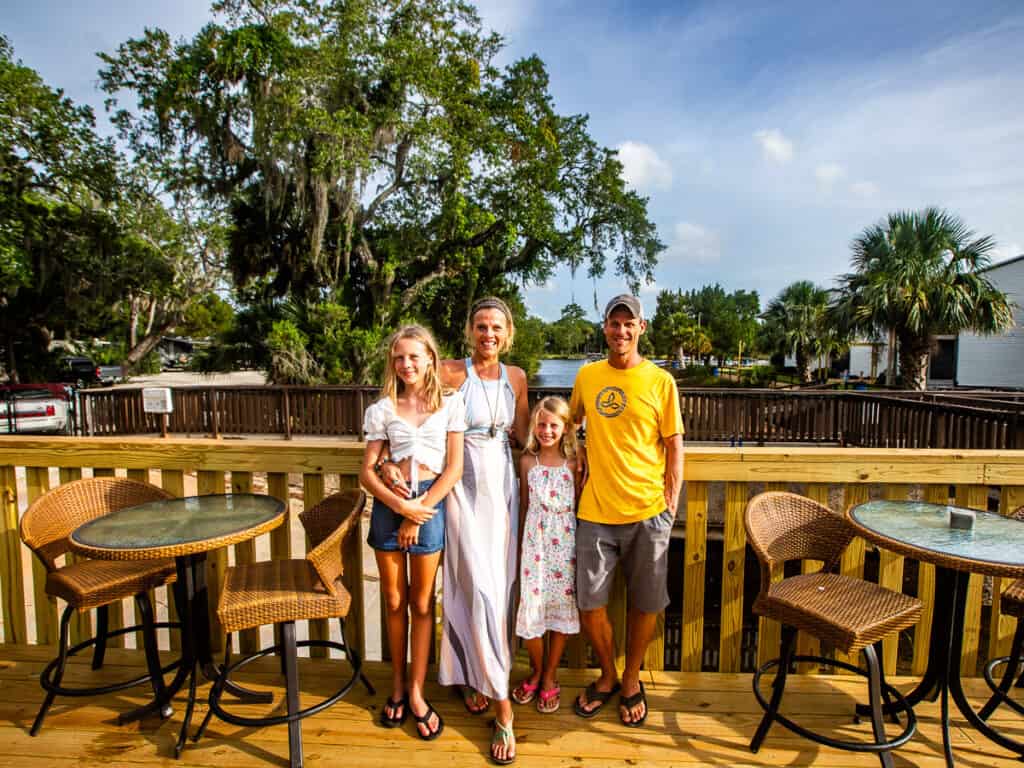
(571,333)
(373,155)
(920,273)
(798,322)
(705,322)
(207,316)
(529,345)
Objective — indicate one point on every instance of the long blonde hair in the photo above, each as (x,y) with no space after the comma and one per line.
(556,406)
(491,302)
(394,386)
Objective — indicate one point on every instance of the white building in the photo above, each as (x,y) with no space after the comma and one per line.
(996,361)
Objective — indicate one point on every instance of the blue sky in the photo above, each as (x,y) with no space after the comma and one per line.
(767,135)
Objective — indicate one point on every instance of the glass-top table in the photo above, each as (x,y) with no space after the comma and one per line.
(177,527)
(185,529)
(993,546)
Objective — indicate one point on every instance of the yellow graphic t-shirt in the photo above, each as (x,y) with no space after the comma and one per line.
(629,413)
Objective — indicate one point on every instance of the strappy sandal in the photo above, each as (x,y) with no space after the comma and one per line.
(628,702)
(594,696)
(424,720)
(544,699)
(474,695)
(525,692)
(394,720)
(503,735)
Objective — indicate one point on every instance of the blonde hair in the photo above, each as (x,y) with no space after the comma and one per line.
(394,386)
(556,406)
(492,302)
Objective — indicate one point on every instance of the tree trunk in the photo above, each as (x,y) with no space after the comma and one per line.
(680,353)
(914,356)
(133,322)
(890,369)
(803,368)
(147,344)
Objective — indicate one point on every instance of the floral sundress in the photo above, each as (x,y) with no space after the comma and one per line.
(547,568)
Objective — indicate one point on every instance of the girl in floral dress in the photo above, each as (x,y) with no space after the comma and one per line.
(547,570)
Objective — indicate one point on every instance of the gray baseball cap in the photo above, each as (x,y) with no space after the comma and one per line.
(628,302)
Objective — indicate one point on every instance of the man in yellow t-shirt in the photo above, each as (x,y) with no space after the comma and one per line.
(634,461)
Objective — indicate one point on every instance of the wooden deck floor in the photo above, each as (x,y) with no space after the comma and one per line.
(696,719)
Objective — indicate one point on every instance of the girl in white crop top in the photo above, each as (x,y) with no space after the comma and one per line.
(423,428)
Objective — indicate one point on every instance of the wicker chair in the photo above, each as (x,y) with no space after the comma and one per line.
(281,592)
(850,614)
(87,584)
(1012,603)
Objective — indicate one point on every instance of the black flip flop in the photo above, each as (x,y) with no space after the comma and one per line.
(594,695)
(394,722)
(631,701)
(425,721)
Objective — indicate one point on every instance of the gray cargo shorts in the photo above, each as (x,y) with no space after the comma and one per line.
(641,547)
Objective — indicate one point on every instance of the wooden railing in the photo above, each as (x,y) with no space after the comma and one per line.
(839,476)
(740,416)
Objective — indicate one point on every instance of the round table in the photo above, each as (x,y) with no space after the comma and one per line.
(185,529)
(994,546)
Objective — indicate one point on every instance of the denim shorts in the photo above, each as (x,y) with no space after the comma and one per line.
(642,550)
(384,523)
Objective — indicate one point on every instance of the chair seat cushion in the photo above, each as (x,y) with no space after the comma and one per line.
(91,583)
(1013,599)
(275,591)
(849,613)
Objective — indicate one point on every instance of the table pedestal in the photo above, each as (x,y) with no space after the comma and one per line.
(192,599)
(942,676)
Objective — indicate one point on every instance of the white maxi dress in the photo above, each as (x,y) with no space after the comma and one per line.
(481,524)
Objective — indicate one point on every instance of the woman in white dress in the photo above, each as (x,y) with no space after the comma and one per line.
(481,528)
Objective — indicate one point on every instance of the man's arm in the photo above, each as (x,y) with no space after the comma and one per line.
(673,471)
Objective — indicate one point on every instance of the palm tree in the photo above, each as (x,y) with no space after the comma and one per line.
(798,319)
(687,336)
(916,274)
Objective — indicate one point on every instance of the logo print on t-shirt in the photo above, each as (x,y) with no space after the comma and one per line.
(611,401)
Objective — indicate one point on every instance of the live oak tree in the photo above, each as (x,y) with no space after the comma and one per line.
(372,154)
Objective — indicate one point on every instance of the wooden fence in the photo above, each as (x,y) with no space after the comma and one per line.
(741,416)
(839,476)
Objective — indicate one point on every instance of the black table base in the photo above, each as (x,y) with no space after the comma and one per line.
(942,676)
(192,601)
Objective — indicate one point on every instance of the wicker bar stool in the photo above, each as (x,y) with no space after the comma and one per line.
(851,614)
(87,584)
(281,592)
(1012,605)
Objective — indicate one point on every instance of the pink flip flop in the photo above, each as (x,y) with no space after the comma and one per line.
(525,692)
(544,698)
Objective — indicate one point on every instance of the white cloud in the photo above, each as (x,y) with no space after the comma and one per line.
(693,244)
(651,288)
(864,189)
(642,167)
(828,174)
(774,145)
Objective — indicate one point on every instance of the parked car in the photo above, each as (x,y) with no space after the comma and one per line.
(35,408)
(111,374)
(80,371)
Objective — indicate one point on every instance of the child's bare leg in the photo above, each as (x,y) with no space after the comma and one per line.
(423,569)
(556,645)
(394,585)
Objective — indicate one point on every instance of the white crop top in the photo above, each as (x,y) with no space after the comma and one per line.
(427,444)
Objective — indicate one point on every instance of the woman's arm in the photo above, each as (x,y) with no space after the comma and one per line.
(414,509)
(521,419)
(451,474)
(524,494)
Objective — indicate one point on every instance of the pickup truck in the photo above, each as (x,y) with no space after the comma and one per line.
(35,408)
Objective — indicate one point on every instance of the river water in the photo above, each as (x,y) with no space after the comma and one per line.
(557,372)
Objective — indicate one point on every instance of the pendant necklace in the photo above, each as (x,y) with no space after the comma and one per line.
(493,431)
